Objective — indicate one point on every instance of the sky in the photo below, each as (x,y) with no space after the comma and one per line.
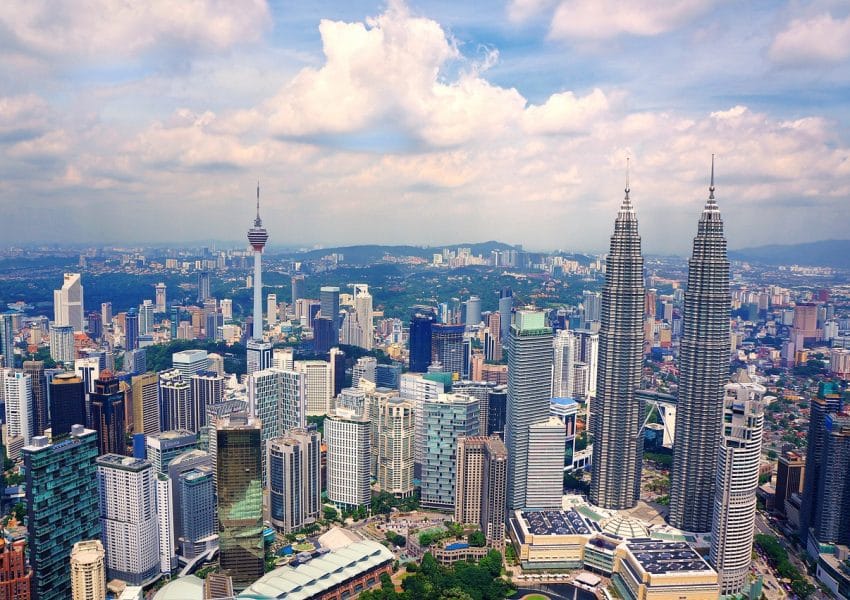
(422,122)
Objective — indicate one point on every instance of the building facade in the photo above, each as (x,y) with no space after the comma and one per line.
(294,479)
(349,458)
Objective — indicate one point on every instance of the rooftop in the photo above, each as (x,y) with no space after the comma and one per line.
(659,558)
(126,463)
(556,522)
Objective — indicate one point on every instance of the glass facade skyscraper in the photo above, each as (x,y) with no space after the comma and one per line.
(421,324)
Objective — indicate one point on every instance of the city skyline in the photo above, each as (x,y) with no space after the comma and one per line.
(183,116)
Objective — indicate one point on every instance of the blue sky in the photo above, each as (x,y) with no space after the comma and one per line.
(422,122)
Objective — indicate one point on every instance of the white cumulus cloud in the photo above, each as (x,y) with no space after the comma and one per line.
(817,40)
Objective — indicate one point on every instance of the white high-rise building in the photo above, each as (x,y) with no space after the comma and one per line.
(88,571)
(363,308)
(364,368)
(283,358)
(395,447)
(146,318)
(226,305)
(68,302)
(545,479)
(128,518)
(189,362)
(271,309)
(349,458)
(106,313)
(177,408)
(319,385)
(738,461)
(160,298)
(294,476)
(165,524)
(562,366)
(417,389)
(17,390)
(62,343)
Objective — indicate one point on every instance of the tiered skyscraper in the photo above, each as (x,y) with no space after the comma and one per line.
(703,371)
(259,351)
(618,415)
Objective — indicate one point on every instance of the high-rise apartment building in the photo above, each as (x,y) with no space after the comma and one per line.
(737,476)
(88,571)
(68,403)
(294,479)
(17,390)
(240,498)
(278,399)
(617,420)
(529,391)
(62,507)
(35,369)
(446,418)
(349,458)
(164,501)
(177,407)
(481,483)
(128,518)
(146,417)
(15,577)
(68,302)
(146,318)
(703,370)
(259,353)
(396,433)
(562,367)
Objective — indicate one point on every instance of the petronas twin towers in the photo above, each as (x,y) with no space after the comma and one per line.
(703,364)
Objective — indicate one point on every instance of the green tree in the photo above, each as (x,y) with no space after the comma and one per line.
(476,538)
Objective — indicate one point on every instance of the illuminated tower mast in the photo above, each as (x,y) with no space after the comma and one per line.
(259,351)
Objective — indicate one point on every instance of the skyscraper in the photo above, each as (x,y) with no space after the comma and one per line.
(62,344)
(68,302)
(259,355)
(738,459)
(832,525)
(160,298)
(294,476)
(189,362)
(17,389)
(204,278)
(271,309)
(329,298)
(107,414)
(162,448)
(318,385)
(106,313)
(395,447)
(128,518)
(146,318)
(703,370)
(207,389)
(506,304)
(421,324)
(240,498)
(447,347)
(131,329)
(88,571)
(617,447)
(418,389)
(349,458)
(481,485)
(473,311)
(35,369)
(789,479)
(68,403)
(529,391)
(193,497)
(177,408)
(298,286)
(146,418)
(363,308)
(62,507)
(545,466)
(7,341)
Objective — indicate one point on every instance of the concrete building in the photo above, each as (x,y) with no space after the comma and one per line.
(363,309)
(617,447)
(348,458)
(62,344)
(17,390)
(15,577)
(189,362)
(545,474)
(146,417)
(161,305)
(40,411)
(447,418)
(193,499)
(396,433)
(88,571)
(162,448)
(318,385)
(703,370)
(108,414)
(68,302)
(481,485)
(164,501)
(417,389)
(529,390)
(790,470)
(68,403)
(177,407)
(294,479)
(738,463)
(62,507)
(128,518)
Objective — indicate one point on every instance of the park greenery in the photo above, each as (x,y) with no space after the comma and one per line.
(461,581)
(778,557)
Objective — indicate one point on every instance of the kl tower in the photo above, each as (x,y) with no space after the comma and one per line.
(259,351)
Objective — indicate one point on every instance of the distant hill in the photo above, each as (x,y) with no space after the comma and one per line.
(372,253)
(826,253)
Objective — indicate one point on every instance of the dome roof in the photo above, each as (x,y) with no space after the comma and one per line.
(625,527)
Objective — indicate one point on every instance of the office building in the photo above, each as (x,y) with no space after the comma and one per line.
(388,376)
(88,571)
(226,306)
(299,286)
(480,390)
(363,309)
(135,361)
(62,344)
(259,352)
(349,458)
(35,369)
(294,479)
(62,507)
(473,311)
(446,418)
(481,485)
(618,416)
(204,285)
(564,344)
(395,447)
(738,458)
(131,329)
(417,389)
(497,408)
(193,498)
(162,448)
(447,347)
(146,318)
(189,362)
(164,505)
(15,577)
(545,475)
(240,498)
(284,359)
(94,326)
(329,299)
(161,306)
(278,400)
(68,302)
(364,368)
(128,518)
(421,324)
(68,403)
(7,341)
(832,524)
(506,305)
(325,335)
(17,390)
(106,313)
(591,308)
(177,407)
(789,479)
(207,389)
(146,417)
(271,309)
(703,370)
(318,385)
(529,390)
